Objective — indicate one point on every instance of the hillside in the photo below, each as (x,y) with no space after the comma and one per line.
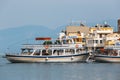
(14,37)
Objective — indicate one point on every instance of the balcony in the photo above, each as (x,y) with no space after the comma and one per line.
(106,31)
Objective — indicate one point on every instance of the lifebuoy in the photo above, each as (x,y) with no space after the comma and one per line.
(46,46)
(76,45)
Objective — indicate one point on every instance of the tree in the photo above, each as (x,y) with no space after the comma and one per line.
(47,43)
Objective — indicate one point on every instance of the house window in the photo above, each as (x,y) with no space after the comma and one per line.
(105,34)
(101,41)
(96,41)
(100,35)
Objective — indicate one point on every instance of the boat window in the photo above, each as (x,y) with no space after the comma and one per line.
(83,40)
(64,42)
(37,52)
(27,51)
(69,41)
(74,40)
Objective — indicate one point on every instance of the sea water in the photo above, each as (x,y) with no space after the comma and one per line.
(59,71)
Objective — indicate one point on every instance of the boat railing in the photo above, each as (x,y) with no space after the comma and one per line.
(40,46)
(31,46)
(112,47)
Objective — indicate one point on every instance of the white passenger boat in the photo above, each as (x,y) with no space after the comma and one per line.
(50,53)
(109,54)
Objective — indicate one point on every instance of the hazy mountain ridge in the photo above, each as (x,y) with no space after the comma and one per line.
(20,35)
(17,36)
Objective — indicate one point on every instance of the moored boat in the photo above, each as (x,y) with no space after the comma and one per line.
(106,58)
(50,53)
(108,54)
(65,58)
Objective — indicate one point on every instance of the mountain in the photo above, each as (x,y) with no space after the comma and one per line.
(11,39)
(14,37)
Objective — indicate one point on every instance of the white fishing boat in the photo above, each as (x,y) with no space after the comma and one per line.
(50,53)
(109,54)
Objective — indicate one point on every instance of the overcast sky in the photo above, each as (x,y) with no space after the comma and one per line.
(53,13)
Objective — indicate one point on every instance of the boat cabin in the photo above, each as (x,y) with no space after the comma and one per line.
(66,47)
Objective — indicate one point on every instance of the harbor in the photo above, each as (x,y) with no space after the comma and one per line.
(74,44)
(59,40)
(76,53)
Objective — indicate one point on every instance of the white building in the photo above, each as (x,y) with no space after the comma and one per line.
(97,34)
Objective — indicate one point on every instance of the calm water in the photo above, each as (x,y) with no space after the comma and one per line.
(59,71)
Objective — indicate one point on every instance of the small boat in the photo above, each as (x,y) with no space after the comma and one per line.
(108,54)
(50,53)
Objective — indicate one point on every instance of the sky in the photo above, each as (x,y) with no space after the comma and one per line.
(54,13)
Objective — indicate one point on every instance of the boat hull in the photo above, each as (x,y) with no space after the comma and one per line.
(65,58)
(106,58)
